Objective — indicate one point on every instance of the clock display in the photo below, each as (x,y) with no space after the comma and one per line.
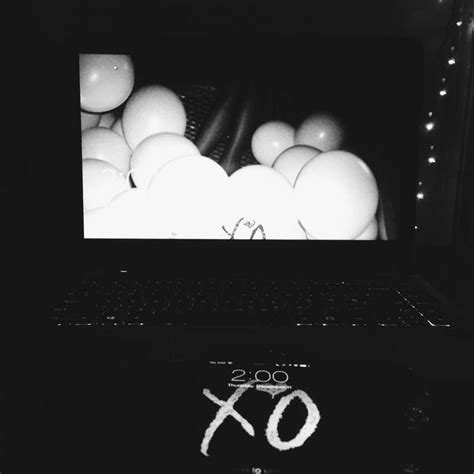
(261,376)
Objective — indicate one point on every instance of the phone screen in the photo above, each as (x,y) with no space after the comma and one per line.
(295,415)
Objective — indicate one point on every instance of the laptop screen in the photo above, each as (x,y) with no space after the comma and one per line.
(309,140)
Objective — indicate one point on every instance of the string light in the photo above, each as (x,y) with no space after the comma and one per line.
(429,126)
(449,60)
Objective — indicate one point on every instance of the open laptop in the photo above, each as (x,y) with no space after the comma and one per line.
(199,238)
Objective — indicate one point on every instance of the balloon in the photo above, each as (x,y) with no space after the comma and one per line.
(270,139)
(187,195)
(371,232)
(290,161)
(336,196)
(150,110)
(101,181)
(155,151)
(321,131)
(261,205)
(104,144)
(106,81)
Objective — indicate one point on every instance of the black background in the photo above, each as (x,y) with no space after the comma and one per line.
(63,395)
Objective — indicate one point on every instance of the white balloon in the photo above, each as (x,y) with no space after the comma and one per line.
(371,232)
(129,200)
(105,80)
(270,139)
(290,161)
(188,196)
(101,181)
(152,109)
(155,151)
(106,145)
(336,196)
(99,224)
(127,216)
(261,205)
(321,131)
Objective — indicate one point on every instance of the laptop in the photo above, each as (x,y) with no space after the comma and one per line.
(230,222)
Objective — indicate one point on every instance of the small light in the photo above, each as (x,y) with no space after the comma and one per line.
(452,48)
(420,196)
(431,159)
(430,114)
(451,61)
(443,92)
(459,23)
(431,147)
(420,183)
(443,80)
(416,227)
(429,126)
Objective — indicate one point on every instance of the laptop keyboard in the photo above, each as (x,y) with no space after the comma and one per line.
(247,302)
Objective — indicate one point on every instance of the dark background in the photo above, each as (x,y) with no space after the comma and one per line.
(52,388)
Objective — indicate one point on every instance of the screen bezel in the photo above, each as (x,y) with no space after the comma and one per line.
(183,257)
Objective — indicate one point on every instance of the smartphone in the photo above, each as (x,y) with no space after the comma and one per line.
(284,412)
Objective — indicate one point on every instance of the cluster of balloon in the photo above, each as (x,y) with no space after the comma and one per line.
(334,193)
(142,178)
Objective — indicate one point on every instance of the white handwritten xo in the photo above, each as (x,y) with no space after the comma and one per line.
(227,409)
